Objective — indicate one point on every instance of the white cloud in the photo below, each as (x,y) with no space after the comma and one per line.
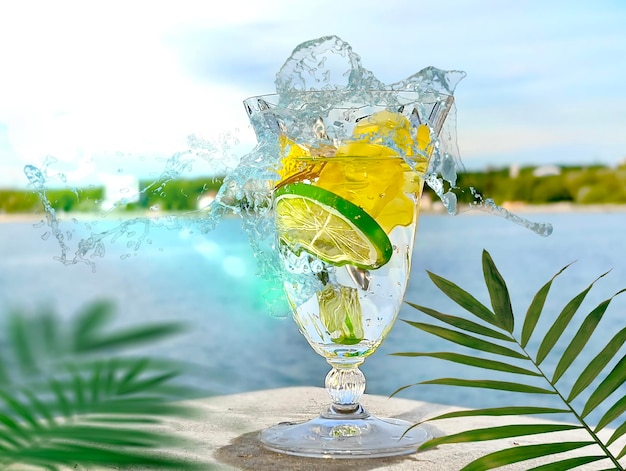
(81,79)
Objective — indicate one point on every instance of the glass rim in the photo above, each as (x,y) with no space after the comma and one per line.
(441,102)
(426,93)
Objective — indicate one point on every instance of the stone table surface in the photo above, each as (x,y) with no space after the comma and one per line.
(228,428)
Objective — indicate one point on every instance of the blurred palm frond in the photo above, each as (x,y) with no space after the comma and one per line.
(77,393)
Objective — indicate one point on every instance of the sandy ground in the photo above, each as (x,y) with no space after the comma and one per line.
(226,433)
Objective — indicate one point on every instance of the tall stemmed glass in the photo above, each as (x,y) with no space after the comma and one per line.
(350,171)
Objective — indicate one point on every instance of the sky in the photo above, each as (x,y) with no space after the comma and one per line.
(111,85)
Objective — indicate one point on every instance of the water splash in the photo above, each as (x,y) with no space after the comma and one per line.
(489,206)
(330,64)
(327,63)
(309,81)
(93,246)
(315,69)
(84,242)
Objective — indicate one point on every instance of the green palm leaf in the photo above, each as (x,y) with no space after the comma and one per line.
(496,433)
(21,344)
(499,412)
(73,397)
(89,322)
(463,299)
(484,363)
(621,430)
(502,318)
(595,367)
(466,340)
(569,463)
(521,453)
(561,322)
(535,309)
(499,294)
(462,323)
(613,380)
(20,411)
(489,384)
(582,337)
(39,408)
(612,414)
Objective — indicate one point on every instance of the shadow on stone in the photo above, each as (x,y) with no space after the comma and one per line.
(246,452)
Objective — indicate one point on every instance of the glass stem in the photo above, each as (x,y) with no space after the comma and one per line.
(345,385)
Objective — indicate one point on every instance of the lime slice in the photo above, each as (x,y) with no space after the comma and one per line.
(330,227)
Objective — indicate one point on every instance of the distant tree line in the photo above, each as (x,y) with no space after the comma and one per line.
(594,184)
(25,201)
(577,184)
(174,195)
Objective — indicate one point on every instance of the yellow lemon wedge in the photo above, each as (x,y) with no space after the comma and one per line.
(366,170)
(386,128)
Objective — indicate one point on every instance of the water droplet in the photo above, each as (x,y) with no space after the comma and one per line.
(34,175)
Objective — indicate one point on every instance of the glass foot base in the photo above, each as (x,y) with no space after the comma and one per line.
(345,435)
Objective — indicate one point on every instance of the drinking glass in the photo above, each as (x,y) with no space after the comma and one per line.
(349,171)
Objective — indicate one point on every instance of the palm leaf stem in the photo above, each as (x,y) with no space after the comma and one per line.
(573,411)
(502,318)
(554,389)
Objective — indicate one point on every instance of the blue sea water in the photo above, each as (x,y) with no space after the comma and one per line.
(208,281)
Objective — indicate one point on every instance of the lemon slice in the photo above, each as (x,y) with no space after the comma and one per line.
(330,227)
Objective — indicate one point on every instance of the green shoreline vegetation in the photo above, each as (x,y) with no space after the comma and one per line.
(594,184)
(582,185)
